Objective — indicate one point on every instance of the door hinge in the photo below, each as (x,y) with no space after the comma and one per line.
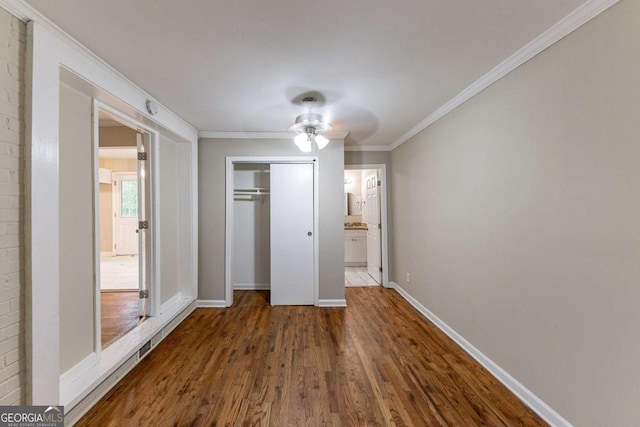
(380,226)
(143,225)
(144,293)
(142,155)
(380,269)
(379,183)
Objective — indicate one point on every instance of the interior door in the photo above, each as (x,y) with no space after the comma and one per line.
(143,220)
(292,260)
(374,247)
(125,213)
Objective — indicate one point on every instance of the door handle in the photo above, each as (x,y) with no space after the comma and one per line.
(309,233)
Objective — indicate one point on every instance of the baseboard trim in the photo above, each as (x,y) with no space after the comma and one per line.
(69,376)
(545,411)
(332,303)
(168,304)
(251,286)
(211,303)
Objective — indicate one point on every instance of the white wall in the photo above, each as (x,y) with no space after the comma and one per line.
(518,216)
(174,213)
(77,285)
(212,154)
(54,57)
(251,247)
(12,217)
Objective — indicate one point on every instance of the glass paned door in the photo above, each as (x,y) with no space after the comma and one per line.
(129,199)
(125,221)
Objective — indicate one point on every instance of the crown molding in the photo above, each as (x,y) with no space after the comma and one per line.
(19,9)
(262,135)
(565,26)
(562,28)
(367,148)
(25,12)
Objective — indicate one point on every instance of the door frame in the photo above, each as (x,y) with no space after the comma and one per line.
(384,232)
(229,186)
(115,176)
(153,258)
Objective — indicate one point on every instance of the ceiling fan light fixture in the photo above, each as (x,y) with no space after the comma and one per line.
(305,147)
(309,126)
(301,139)
(321,141)
(310,120)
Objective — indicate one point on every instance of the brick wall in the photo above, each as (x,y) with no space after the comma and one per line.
(12,254)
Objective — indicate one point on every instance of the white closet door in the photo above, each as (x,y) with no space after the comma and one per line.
(291,234)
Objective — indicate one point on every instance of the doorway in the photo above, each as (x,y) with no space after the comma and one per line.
(288,188)
(123,182)
(365,224)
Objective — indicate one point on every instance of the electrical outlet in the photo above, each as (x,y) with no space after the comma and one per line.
(408,277)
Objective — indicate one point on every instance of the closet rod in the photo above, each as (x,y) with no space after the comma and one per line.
(252,191)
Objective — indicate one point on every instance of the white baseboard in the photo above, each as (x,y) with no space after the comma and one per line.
(251,286)
(332,303)
(211,303)
(165,306)
(545,411)
(75,371)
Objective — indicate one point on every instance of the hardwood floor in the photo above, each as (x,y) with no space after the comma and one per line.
(119,313)
(376,363)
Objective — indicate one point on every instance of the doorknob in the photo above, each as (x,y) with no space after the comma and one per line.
(309,233)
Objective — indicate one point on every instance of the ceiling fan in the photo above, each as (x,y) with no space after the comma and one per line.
(309,127)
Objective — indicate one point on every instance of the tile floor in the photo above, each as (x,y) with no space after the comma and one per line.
(118,273)
(358,276)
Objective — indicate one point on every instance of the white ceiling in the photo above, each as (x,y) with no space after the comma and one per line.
(380,67)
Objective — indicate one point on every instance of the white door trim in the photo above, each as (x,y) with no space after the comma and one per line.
(154,279)
(229,185)
(382,169)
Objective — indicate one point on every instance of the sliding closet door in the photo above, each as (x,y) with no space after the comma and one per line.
(291,234)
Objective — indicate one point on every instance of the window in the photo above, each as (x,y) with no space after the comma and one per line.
(129,199)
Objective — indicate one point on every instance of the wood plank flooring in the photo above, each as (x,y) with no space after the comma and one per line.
(119,313)
(377,362)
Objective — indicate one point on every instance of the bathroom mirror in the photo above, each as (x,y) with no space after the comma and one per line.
(354,204)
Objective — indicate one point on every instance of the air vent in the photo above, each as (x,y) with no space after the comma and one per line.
(145,349)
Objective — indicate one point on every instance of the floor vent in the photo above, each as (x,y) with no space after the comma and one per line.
(144,349)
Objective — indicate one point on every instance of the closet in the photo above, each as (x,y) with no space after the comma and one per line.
(273,230)
(251,261)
